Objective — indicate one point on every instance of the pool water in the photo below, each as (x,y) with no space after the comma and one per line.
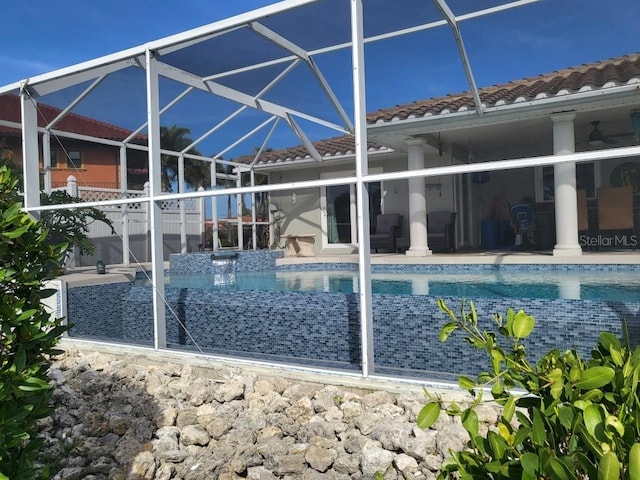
(584,285)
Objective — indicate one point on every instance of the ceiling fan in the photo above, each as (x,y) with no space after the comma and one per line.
(597,136)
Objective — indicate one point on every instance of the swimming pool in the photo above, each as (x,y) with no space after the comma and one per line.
(309,314)
(487,283)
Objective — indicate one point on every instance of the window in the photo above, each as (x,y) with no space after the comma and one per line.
(586,179)
(74,160)
(54,158)
(340,218)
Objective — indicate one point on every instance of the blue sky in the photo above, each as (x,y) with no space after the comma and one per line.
(42,35)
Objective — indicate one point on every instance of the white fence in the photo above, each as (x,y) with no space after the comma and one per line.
(131,243)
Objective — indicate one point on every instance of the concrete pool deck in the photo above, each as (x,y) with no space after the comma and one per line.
(82,276)
(495,257)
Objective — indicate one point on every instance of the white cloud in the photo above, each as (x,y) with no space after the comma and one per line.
(14,68)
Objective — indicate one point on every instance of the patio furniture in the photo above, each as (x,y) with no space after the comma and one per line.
(299,245)
(387,230)
(402,244)
(441,231)
(523,226)
(615,208)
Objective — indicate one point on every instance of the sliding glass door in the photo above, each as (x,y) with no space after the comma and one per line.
(339,213)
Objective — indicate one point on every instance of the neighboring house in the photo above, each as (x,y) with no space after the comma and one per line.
(93,164)
(581,109)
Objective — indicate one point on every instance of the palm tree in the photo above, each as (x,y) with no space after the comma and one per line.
(196,173)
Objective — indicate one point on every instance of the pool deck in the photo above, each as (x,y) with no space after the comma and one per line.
(496,257)
(84,276)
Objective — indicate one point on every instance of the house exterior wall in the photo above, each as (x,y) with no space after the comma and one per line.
(305,215)
(483,201)
(99,165)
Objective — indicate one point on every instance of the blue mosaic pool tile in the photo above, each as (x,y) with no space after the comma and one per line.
(318,267)
(479,268)
(323,328)
(96,311)
(258,260)
(203,262)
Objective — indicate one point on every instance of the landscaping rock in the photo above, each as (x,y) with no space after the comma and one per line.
(125,417)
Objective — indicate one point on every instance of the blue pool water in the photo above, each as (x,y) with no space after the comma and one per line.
(307,314)
(549,284)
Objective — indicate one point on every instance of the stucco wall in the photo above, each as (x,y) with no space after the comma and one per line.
(99,166)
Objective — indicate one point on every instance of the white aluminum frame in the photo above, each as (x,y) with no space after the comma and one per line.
(147,57)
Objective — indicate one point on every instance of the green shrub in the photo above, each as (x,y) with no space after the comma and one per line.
(28,335)
(573,419)
(71,226)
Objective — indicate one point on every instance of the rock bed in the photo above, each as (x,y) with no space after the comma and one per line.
(128,417)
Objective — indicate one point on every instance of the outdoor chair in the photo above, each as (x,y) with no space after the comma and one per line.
(523,226)
(441,231)
(387,230)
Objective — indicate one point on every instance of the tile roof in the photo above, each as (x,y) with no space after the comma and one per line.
(72,122)
(613,72)
(330,147)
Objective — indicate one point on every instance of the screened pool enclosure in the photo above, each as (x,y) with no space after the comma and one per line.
(287,76)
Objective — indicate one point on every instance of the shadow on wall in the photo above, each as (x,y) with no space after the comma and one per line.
(109,249)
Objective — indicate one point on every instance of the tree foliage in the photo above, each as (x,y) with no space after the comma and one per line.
(71,226)
(28,334)
(196,173)
(573,419)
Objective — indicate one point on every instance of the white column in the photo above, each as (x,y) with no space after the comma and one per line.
(566,204)
(239,211)
(72,186)
(214,207)
(46,160)
(126,246)
(155,212)
(254,233)
(72,190)
(203,219)
(417,201)
(30,160)
(181,205)
(362,169)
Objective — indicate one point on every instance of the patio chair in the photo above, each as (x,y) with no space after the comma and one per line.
(523,226)
(387,230)
(441,231)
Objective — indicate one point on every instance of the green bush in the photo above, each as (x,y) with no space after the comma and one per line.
(573,419)
(71,226)
(28,335)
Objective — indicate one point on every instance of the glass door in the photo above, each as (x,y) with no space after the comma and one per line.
(339,208)
(338,216)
